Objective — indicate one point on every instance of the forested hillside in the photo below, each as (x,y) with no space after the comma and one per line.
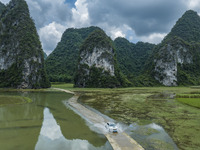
(62,62)
(187,27)
(2,7)
(97,65)
(132,57)
(21,54)
(177,59)
(45,56)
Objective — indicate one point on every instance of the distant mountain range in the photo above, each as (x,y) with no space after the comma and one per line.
(89,58)
(175,61)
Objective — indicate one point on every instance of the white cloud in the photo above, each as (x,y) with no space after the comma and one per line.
(115,32)
(193,4)
(80,16)
(145,20)
(130,38)
(50,35)
(5,1)
(54,17)
(118,34)
(153,38)
(47,11)
(144,17)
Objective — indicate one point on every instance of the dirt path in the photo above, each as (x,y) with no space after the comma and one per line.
(120,141)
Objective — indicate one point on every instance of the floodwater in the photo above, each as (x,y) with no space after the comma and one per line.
(46,124)
(149,135)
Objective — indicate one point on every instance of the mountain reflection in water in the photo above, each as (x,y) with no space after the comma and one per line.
(46,124)
(51,137)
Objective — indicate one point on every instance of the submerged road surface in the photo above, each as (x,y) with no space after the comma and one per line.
(119,141)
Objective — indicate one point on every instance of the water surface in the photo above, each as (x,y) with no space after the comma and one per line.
(46,124)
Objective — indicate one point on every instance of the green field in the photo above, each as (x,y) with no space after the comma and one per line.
(9,100)
(192,99)
(145,105)
(195,102)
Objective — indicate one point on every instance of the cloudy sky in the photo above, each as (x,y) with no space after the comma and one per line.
(136,20)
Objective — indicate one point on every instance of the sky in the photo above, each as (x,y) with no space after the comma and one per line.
(136,20)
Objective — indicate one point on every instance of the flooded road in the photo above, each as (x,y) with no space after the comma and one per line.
(46,124)
(148,133)
(119,141)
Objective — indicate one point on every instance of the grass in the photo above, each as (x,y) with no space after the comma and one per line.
(69,86)
(188,95)
(189,99)
(10,100)
(195,102)
(145,105)
(62,85)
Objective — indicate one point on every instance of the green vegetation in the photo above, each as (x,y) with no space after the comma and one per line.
(61,63)
(189,74)
(2,7)
(145,105)
(11,77)
(146,131)
(20,46)
(195,102)
(177,90)
(9,100)
(136,61)
(97,39)
(189,99)
(182,42)
(98,77)
(45,56)
(132,57)
(187,27)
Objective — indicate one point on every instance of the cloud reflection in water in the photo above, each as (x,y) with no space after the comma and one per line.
(51,137)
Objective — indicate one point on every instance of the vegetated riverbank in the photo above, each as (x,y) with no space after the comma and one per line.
(147,105)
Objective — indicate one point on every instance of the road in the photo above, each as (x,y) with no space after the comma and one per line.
(119,141)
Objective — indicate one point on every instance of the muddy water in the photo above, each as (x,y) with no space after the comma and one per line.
(46,124)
